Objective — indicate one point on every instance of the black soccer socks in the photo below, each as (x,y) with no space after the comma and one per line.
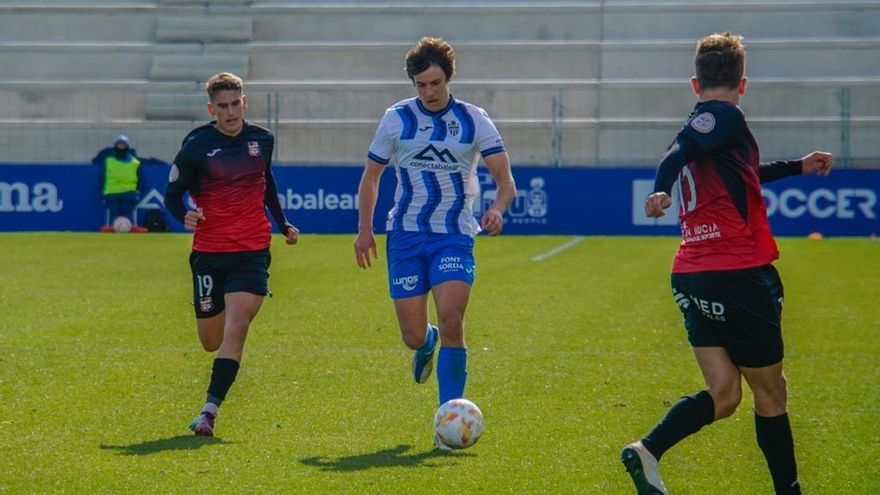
(684,418)
(222,376)
(775,440)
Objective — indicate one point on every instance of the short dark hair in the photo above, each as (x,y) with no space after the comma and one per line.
(720,60)
(427,52)
(224,81)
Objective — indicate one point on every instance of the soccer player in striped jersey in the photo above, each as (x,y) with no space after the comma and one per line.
(723,279)
(226,168)
(435,142)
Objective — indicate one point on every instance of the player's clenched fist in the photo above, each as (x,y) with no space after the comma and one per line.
(656,203)
(192,218)
(292,234)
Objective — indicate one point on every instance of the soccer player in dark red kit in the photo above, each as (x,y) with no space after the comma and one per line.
(225,166)
(723,279)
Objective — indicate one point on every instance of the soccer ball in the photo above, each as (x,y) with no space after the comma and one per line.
(458,424)
(122,224)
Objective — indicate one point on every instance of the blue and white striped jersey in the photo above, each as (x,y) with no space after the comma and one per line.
(435,156)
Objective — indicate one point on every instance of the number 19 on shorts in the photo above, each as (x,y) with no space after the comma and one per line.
(205,284)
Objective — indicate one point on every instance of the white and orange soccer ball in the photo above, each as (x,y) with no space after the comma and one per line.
(458,424)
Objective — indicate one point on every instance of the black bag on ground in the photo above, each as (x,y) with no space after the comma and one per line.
(155,221)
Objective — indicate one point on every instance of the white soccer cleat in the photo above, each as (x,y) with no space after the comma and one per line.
(642,468)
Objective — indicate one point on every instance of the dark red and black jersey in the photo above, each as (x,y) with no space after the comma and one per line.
(230,179)
(722,214)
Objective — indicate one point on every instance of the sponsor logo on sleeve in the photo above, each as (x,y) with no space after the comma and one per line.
(174,173)
(703,123)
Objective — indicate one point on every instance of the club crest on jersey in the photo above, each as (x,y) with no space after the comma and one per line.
(254,148)
(206,304)
(453,128)
(703,123)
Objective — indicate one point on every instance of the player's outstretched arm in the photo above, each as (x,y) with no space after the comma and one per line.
(499,166)
(368,191)
(818,162)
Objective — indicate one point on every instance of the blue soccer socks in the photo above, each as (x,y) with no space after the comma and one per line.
(451,372)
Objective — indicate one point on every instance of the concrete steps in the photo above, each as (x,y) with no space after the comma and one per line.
(477,60)
(215,32)
(523,99)
(196,66)
(586,20)
(204,29)
(609,142)
(620,67)
(406,21)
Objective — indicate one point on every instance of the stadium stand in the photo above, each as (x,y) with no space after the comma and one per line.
(570,83)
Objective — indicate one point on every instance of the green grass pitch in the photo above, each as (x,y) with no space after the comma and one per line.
(570,358)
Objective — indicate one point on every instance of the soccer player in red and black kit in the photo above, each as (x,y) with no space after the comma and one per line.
(226,168)
(722,278)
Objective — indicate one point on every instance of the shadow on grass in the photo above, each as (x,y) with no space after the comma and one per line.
(392,457)
(180,442)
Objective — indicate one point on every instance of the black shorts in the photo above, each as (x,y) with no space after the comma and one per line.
(739,310)
(216,274)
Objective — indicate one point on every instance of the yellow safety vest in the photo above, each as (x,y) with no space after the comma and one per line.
(120,176)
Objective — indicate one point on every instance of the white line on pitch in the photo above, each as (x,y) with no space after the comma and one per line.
(558,249)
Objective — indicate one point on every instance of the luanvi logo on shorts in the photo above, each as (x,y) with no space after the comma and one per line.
(442,155)
(408,283)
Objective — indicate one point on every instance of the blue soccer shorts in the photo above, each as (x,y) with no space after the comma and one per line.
(418,261)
